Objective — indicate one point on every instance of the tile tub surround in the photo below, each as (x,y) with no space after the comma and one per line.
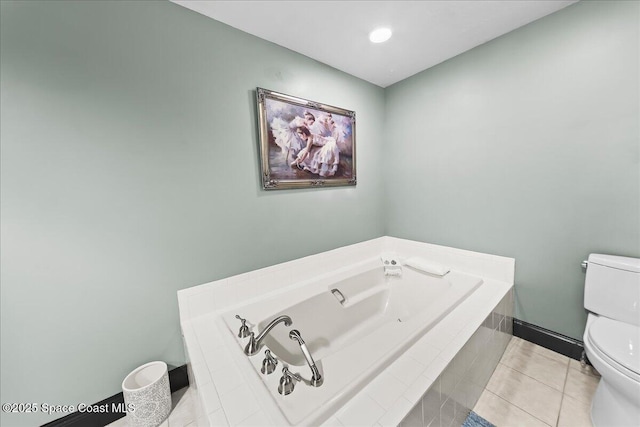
(457,389)
(222,384)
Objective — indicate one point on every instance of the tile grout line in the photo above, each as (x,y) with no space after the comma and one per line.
(551,358)
(568,369)
(535,379)
(540,382)
(542,353)
(566,378)
(519,350)
(566,375)
(516,406)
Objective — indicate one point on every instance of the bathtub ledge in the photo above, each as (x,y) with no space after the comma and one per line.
(225,396)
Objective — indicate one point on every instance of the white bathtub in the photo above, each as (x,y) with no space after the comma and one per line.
(351,342)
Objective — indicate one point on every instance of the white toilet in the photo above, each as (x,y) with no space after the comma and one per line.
(612,338)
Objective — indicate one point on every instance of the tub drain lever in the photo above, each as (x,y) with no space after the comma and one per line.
(316,378)
(336,293)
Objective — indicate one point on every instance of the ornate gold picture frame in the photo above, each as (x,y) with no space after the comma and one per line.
(304,143)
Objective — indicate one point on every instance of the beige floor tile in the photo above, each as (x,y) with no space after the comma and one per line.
(513,342)
(503,414)
(526,347)
(549,371)
(528,394)
(574,413)
(589,370)
(581,386)
(182,410)
(122,422)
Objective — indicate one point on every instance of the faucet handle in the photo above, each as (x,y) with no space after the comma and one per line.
(269,363)
(286,381)
(244,329)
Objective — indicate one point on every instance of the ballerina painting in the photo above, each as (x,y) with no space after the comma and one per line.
(304,143)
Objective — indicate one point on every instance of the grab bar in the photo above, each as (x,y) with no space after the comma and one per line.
(336,293)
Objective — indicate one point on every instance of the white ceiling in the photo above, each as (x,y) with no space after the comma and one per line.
(425,33)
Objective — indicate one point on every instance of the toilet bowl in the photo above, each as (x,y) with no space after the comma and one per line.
(612,338)
(617,398)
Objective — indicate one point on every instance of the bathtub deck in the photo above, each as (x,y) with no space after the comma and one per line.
(225,396)
(387,399)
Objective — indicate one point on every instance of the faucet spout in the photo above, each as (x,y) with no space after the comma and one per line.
(253,346)
(316,378)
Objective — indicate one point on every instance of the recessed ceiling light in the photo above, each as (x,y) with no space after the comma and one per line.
(380,35)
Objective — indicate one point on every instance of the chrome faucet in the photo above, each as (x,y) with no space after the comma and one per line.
(253,346)
(316,378)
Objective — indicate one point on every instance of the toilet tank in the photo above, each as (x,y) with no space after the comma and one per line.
(612,287)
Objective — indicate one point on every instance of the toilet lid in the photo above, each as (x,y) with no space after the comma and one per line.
(620,341)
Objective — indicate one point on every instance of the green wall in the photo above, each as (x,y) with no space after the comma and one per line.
(527,147)
(130,170)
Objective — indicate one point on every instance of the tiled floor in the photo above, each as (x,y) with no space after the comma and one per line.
(182,411)
(533,386)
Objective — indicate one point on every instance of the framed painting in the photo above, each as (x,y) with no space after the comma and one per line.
(304,143)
